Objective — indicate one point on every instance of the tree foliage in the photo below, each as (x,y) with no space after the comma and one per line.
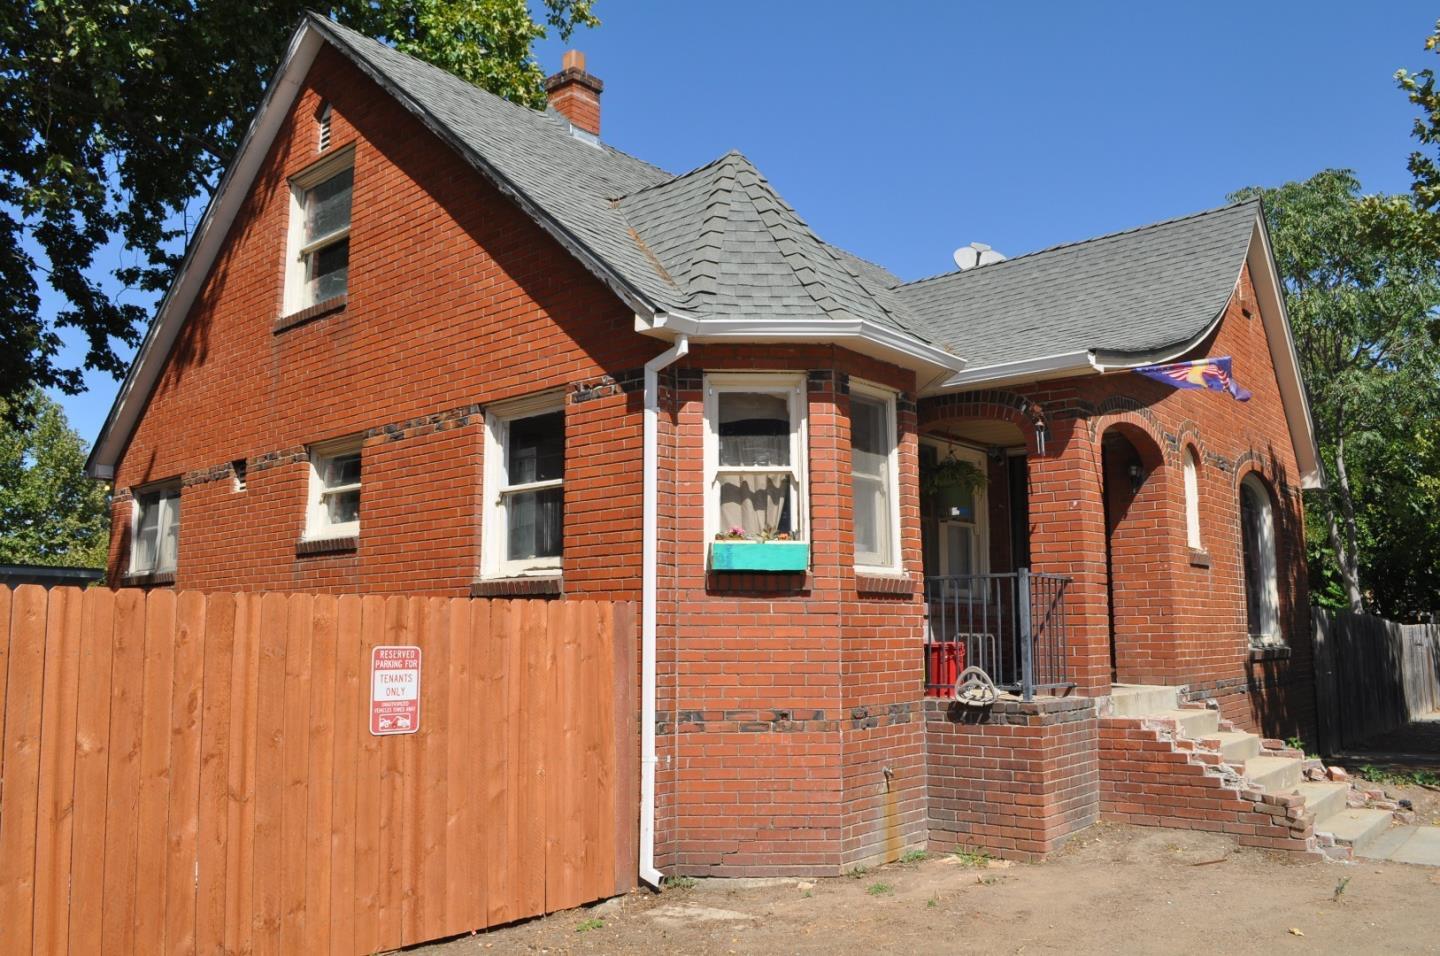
(1425,167)
(118,115)
(50,512)
(1363,293)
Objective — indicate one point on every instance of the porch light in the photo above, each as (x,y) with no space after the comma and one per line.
(1137,479)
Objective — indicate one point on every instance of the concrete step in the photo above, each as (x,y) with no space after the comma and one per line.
(1275,774)
(1236,746)
(1138,700)
(1323,799)
(1192,723)
(1357,828)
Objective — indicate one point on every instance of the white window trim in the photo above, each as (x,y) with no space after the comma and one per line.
(297,249)
(494,523)
(165,489)
(317,516)
(1190,469)
(981,562)
(896,564)
(792,386)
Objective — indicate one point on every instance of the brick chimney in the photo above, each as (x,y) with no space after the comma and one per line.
(575,94)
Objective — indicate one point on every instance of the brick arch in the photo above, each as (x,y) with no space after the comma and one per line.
(1141,535)
(1189,434)
(987,405)
(1124,410)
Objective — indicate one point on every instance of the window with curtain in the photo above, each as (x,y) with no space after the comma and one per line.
(334,491)
(756,461)
(525,477)
(872,468)
(1257,541)
(1192,500)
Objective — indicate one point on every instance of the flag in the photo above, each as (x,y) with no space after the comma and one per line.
(1211,373)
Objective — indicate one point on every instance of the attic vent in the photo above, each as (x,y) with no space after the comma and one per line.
(323,119)
(976,254)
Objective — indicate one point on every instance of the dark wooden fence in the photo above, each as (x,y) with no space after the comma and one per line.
(195,773)
(1372,675)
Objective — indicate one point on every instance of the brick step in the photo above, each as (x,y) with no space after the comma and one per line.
(1275,774)
(1235,746)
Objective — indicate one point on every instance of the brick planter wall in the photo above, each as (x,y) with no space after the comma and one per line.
(1014,780)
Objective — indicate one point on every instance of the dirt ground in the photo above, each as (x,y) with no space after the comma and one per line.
(1114,889)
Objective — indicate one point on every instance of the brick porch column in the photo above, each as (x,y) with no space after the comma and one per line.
(1067,522)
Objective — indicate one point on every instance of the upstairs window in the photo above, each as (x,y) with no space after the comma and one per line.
(524,522)
(334,510)
(156,533)
(755,455)
(1192,500)
(319,268)
(873,470)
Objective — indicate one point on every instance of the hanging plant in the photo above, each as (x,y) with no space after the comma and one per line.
(953,475)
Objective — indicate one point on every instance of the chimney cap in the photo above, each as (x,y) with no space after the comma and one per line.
(573,60)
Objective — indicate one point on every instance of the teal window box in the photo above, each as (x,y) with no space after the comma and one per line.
(759,556)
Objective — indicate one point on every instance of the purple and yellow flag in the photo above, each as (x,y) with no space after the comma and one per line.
(1211,373)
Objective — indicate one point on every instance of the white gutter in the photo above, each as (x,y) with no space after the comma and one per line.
(648,602)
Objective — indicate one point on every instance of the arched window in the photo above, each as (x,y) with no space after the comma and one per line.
(1192,500)
(1257,542)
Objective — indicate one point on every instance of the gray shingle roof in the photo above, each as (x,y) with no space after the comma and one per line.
(719,242)
(740,252)
(1141,290)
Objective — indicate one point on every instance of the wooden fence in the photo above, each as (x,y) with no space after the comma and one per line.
(194,772)
(1372,675)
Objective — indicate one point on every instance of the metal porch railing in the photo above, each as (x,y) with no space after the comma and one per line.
(1011,625)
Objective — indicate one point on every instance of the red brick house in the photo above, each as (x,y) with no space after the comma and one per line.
(425,340)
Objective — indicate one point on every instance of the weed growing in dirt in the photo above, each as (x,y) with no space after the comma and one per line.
(1400,778)
(589,924)
(914,856)
(879,889)
(972,857)
(1295,743)
(858,872)
(932,902)
(1340,889)
(679,882)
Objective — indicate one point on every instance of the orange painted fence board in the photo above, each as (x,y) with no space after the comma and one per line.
(192,772)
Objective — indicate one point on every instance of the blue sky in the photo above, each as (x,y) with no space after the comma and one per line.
(902,130)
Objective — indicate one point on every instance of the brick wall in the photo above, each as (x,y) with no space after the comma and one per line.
(456,299)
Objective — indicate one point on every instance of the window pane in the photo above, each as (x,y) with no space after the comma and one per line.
(537,449)
(327,206)
(872,521)
(756,504)
(329,270)
(147,533)
(959,544)
(343,507)
(869,441)
(536,524)
(170,547)
(342,470)
(754,429)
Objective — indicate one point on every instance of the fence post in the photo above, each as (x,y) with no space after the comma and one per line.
(1027,671)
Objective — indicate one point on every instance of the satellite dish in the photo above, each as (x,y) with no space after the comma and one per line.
(976,254)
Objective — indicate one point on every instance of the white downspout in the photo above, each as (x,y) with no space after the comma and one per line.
(648,609)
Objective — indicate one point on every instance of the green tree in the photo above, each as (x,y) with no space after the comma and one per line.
(1420,87)
(1363,295)
(50,512)
(120,114)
